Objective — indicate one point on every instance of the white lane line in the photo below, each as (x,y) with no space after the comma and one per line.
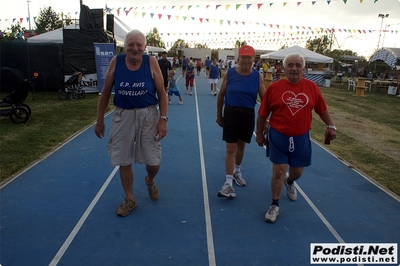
(210,240)
(82,220)
(320,215)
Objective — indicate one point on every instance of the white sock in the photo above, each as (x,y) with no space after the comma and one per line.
(229,179)
(237,168)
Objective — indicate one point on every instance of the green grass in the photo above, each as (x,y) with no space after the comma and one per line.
(374,110)
(53,121)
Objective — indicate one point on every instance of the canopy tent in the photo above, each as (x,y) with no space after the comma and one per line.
(308,55)
(388,55)
(56,36)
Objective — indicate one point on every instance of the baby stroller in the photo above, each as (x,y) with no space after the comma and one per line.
(13,104)
(73,87)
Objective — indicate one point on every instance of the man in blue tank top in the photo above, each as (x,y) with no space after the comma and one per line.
(136,127)
(238,97)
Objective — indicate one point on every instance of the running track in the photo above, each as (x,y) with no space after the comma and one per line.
(62,210)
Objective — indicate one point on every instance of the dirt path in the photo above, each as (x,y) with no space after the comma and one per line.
(376,136)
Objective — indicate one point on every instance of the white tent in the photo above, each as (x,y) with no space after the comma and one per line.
(56,36)
(308,55)
(389,55)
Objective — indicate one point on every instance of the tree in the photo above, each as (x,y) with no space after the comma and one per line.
(49,20)
(178,44)
(319,45)
(15,31)
(201,46)
(153,39)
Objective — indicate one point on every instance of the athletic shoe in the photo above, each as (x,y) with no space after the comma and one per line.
(237,176)
(211,92)
(271,214)
(169,102)
(180,102)
(290,190)
(126,207)
(215,94)
(190,93)
(152,189)
(227,191)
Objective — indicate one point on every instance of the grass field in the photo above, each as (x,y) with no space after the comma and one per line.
(368,131)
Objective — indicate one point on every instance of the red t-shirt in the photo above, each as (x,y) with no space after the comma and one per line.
(291,106)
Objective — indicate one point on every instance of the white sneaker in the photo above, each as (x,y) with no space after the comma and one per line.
(180,102)
(290,190)
(169,102)
(271,214)
(237,176)
(227,191)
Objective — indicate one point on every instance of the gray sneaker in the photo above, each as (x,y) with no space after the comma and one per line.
(126,207)
(227,191)
(290,190)
(237,176)
(271,214)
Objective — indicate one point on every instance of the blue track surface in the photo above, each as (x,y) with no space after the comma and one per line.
(62,211)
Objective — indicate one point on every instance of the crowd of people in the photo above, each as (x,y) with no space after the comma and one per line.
(144,86)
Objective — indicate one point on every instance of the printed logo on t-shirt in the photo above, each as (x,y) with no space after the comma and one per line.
(295,102)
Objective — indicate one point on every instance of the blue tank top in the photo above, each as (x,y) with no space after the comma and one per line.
(134,89)
(214,72)
(241,91)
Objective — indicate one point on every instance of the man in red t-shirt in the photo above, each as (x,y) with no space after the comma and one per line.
(283,124)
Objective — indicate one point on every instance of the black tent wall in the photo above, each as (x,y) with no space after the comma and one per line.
(27,58)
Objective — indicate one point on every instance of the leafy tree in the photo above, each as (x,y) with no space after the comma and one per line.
(178,44)
(239,43)
(153,38)
(201,46)
(49,20)
(15,31)
(319,45)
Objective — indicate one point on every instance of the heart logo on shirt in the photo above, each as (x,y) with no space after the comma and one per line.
(295,102)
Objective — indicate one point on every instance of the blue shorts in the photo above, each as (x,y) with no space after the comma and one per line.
(294,151)
(170,92)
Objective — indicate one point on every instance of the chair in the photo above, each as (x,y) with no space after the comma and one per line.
(351,83)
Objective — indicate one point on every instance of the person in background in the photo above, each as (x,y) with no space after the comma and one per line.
(339,76)
(237,97)
(198,66)
(136,126)
(184,65)
(165,66)
(285,117)
(213,77)
(189,78)
(173,88)
(207,64)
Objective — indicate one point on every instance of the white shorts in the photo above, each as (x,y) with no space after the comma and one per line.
(132,136)
(213,81)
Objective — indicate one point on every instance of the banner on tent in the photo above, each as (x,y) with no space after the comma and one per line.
(104,52)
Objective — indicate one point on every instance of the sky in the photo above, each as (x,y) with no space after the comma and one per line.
(264,25)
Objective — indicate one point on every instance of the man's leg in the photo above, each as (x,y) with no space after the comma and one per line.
(152,188)
(126,175)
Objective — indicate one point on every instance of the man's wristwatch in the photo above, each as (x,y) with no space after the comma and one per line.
(164,117)
(332,127)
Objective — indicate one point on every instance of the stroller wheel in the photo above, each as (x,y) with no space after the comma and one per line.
(82,94)
(74,96)
(63,92)
(27,108)
(19,115)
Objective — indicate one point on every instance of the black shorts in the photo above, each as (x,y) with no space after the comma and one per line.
(238,124)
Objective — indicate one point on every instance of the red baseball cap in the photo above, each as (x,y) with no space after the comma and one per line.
(246,50)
